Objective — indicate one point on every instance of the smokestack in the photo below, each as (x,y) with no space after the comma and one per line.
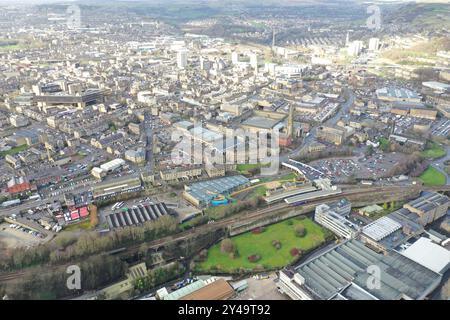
(273,39)
(290,128)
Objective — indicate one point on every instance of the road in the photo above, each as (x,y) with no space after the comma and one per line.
(439,164)
(148,142)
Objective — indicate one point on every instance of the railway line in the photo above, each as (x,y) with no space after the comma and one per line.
(247,217)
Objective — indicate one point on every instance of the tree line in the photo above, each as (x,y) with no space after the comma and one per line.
(65,249)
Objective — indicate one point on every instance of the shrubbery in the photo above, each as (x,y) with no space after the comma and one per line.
(276,244)
(300,230)
(295,252)
(258,230)
(254,258)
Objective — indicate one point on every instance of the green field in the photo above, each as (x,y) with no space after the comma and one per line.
(434,151)
(14,150)
(433,177)
(384,143)
(244,168)
(82,225)
(248,244)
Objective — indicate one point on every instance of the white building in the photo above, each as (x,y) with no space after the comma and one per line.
(112,165)
(354,48)
(374,44)
(234,57)
(182,58)
(146,97)
(254,60)
(334,221)
(290,70)
(429,254)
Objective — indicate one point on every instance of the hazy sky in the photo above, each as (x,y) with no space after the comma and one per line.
(194,1)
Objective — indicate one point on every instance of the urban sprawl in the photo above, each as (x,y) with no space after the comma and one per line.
(199,153)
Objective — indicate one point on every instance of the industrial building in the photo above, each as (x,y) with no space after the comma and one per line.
(345,272)
(428,207)
(437,86)
(137,215)
(80,100)
(201,193)
(397,94)
(211,288)
(217,290)
(394,230)
(106,168)
(429,254)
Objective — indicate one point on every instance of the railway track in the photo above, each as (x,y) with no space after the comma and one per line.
(241,218)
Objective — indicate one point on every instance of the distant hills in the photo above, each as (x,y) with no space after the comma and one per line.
(421,15)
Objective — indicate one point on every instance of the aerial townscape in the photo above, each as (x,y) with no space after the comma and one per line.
(224,150)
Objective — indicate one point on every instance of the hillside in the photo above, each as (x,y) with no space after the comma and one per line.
(430,16)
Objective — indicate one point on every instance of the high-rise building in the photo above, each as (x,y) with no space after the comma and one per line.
(290,127)
(234,57)
(205,64)
(254,60)
(374,44)
(182,58)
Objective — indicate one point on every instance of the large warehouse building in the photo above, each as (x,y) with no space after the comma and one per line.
(351,271)
(201,193)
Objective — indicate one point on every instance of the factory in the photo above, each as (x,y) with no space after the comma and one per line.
(395,229)
(203,193)
(391,94)
(137,215)
(342,273)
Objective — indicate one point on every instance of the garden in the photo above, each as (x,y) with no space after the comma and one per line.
(263,248)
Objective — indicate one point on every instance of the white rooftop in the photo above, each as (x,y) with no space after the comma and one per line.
(436,85)
(428,254)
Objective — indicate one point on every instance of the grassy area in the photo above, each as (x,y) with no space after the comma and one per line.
(434,151)
(14,150)
(248,244)
(288,177)
(259,191)
(433,177)
(384,143)
(246,167)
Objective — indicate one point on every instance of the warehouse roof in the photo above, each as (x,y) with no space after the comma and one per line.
(381,228)
(112,164)
(180,293)
(344,270)
(206,190)
(261,122)
(217,290)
